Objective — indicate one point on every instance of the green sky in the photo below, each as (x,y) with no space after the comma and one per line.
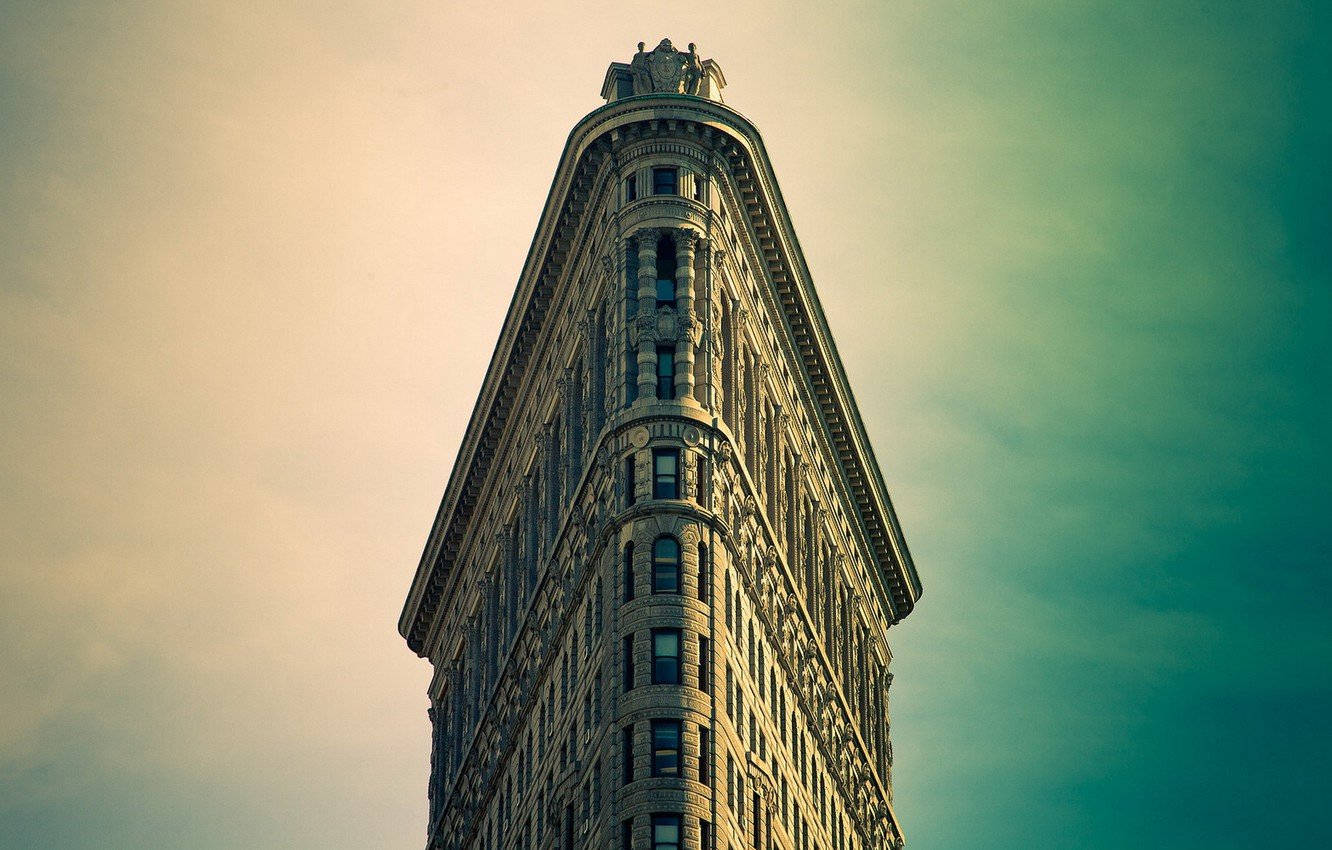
(1075,256)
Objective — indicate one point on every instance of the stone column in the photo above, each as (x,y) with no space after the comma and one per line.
(646,342)
(690,319)
(718,344)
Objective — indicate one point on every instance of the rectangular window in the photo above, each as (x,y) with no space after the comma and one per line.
(665,292)
(730,781)
(630,373)
(704,755)
(628,743)
(704,572)
(665,466)
(665,656)
(704,664)
(628,572)
(629,481)
(631,188)
(627,834)
(699,180)
(730,692)
(665,565)
(665,181)
(730,619)
(665,832)
(628,662)
(665,748)
(665,371)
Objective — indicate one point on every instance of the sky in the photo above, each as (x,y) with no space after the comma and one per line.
(1075,256)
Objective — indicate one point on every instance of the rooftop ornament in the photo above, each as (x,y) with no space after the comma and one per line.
(664,70)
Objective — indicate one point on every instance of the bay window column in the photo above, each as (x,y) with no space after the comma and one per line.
(646,320)
(691,323)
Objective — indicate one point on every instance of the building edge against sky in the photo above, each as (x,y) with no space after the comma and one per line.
(657,591)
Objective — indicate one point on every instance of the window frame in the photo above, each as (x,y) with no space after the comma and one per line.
(628,578)
(630,485)
(667,819)
(660,564)
(662,283)
(657,678)
(662,481)
(627,743)
(660,754)
(627,644)
(665,380)
(658,184)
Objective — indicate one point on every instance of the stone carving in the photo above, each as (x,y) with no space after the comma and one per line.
(666,70)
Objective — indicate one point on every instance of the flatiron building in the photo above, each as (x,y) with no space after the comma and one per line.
(657,591)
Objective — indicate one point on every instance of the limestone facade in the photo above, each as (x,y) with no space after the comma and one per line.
(657,592)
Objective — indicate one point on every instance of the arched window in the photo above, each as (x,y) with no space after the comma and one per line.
(665,565)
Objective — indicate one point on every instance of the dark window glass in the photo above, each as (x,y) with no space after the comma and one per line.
(704,773)
(665,748)
(698,187)
(665,372)
(630,379)
(664,181)
(631,188)
(628,743)
(704,664)
(628,662)
(665,656)
(628,572)
(629,481)
(665,463)
(627,834)
(665,565)
(665,292)
(704,572)
(665,832)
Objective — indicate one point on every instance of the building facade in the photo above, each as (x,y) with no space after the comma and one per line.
(657,592)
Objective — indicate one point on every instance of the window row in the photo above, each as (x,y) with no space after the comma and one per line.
(665,181)
(666,576)
(666,751)
(666,654)
(665,476)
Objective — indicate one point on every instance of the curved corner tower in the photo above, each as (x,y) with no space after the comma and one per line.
(657,592)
